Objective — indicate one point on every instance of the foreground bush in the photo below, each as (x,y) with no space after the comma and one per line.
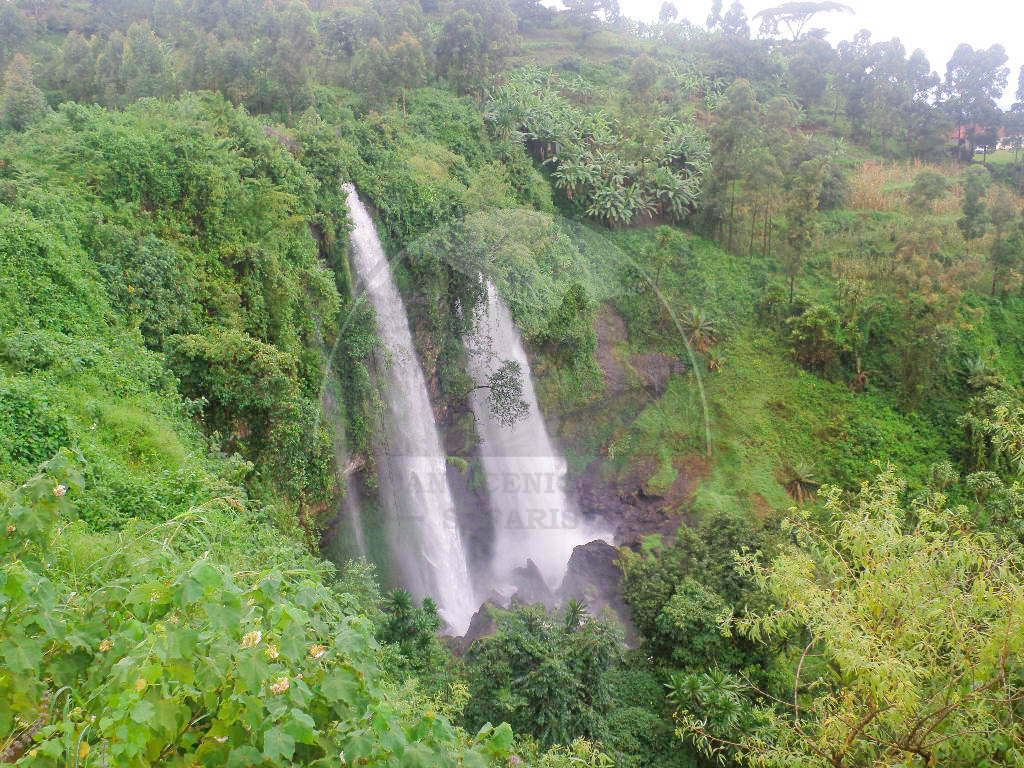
(138,649)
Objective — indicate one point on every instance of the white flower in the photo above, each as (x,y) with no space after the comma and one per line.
(252,639)
(317,651)
(280,685)
(271,651)
(220,739)
(60,490)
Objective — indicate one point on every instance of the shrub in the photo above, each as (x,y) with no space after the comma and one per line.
(30,428)
(816,338)
(146,654)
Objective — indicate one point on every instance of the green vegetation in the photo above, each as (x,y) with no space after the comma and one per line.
(775,317)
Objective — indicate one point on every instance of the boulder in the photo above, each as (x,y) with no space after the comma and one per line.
(593,576)
(481,625)
(531,587)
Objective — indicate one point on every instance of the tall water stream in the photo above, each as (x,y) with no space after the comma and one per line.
(425,539)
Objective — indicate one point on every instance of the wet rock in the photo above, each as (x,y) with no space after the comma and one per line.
(611,330)
(531,587)
(481,625)
(655,369)
(593,576)
(598,498)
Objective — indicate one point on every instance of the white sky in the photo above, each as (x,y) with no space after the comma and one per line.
(936,26)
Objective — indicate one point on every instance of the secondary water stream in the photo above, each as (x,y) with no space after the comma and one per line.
(525,474)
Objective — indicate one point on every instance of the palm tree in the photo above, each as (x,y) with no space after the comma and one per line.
(979,372)
(401,603)
(802,481)
(575,612)
(699,329)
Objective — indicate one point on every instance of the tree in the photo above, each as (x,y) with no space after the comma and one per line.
(642,75)
(795,16)
(667,13)
(734,23)
(505,393)
(808,70)
(815,337)
(22,103)
(801,481)
(1006,256)
(679,589)
(460,51)
(1003,211)
(735,126)
(407,62)
(144,69)
(497,29)
(907,626)
(412,628)
(546,676)
(927,188)
(715,16)
(372,68)
(700,330)
(584,14)
(975,81)
(1013,122)
(15,29)
(974,220)
(800,211)
(78,68)
(109,78)
(167,18)
(1005,253)
(294,54)
(532,14)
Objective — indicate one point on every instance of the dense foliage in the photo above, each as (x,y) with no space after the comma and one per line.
(140,647)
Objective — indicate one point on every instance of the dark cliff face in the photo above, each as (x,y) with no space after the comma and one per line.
(624,496)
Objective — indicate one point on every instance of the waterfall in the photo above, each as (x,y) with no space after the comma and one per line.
(411,466)
(524,473)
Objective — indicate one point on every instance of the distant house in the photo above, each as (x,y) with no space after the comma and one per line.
(1004,139)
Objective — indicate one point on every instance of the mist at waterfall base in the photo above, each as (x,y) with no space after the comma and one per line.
(533,517)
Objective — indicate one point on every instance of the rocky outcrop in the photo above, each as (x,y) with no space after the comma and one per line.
(594,577)
(631,511)
(624,497)
(531,587)
(481,625)
(654,369)
(611,331)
